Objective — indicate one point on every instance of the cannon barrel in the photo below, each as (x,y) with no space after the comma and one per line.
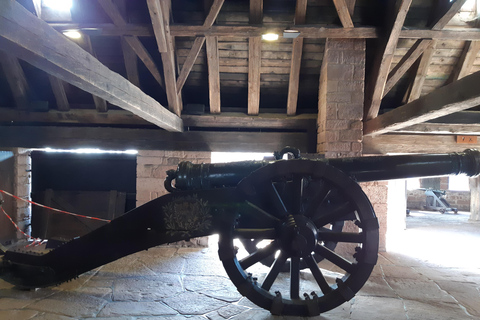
(190,176)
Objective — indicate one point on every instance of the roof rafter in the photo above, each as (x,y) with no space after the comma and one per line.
(32,40)
(457,96)
(466,60)
(198,44)
(421,72)
(383,60)
(16,79)
(112,11)
(343,13)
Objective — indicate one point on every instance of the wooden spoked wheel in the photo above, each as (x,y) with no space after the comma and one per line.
(293,213)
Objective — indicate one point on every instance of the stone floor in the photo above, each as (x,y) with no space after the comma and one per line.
(437,277)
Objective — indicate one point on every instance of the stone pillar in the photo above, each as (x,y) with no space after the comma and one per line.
(474,199)
(340,102)
(151,172)
(22,188)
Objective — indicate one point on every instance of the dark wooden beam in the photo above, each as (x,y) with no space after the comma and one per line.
(421,73)
(413,143)
(466,61)
(32,40)
(343,13)
(150,139)
(307,31)
(445,11)
(442,128)
(292,99)
(213,74)
(59,93)
(114,13)
(405,64)
(383,60)
(86,44)
(198,44)
(121,117)
(460,95)
(168,54)
(131,63)
(254,59)
(16,79)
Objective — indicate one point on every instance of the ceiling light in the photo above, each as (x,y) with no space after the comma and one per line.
(270,36)
(288,33)
(72,34)
(60,5)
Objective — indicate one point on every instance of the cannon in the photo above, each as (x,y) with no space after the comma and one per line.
(296,237)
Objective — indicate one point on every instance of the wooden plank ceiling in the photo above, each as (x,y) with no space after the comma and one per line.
(202,65)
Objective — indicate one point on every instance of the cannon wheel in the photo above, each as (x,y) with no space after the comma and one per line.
(295,200)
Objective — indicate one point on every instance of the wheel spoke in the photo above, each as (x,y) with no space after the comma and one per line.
(336,214)
(277,201)
(317,274)
(317,200)
(297,194)
(262,212)
(335,258)
(351,237)
(295,278)
(245,233)
(259,255)
(274,271)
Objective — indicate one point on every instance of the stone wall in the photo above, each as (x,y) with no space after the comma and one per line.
(151,172)
(457,199)
(15,178)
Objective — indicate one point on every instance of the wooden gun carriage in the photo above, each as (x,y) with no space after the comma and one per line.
(296,237)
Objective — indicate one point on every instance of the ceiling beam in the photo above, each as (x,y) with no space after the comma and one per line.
(198,44)
(405,64)
(213,63)
(307,31)
(442,128)
(131,63)
(32,40)
(444,12)
(59,93)
(457,96)
(254,59)
(413,143)
(466,60)
(160,14)
(86,44)
(343,13)
(383,60)
(293,82)
(150,139)
(114,13)
(421,72)
(16,79)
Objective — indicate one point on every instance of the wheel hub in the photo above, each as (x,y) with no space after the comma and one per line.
(298,236)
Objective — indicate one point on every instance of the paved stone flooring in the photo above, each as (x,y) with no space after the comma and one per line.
(437,277)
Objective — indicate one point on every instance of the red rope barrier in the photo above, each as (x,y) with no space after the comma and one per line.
(16,226)
(50,208)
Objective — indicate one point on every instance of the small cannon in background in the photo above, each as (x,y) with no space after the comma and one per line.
(309,232)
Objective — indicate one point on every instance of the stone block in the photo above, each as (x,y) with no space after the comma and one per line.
(344,97)
(331,111)
(357,147)
(332,86)
(149,184)
(353,57)
(342,44)
(350,111)
(350,86)
(339,146)
(340,72)
(356,125)
(142,161)
(337,125)
(351,135)
(151,153)
(357,97)
(359,44)
(359,72)
(332,136)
